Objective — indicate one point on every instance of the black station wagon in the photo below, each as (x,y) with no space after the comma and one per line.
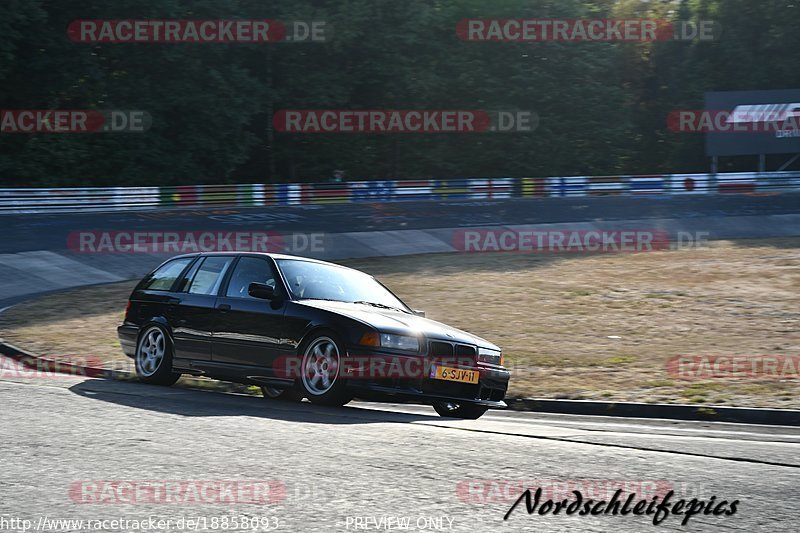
(302,328)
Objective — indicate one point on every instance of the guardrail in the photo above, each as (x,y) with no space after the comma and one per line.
(22,200)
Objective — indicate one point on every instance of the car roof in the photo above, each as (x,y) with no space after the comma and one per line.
(266,254)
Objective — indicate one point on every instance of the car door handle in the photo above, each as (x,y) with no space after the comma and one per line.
(173,301)
(224,307)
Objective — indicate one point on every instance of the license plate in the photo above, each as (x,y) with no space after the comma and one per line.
(460,375)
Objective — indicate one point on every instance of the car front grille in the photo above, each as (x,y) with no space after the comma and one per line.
(441,349)
(452,353)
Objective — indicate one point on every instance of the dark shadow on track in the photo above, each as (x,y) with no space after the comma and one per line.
(186,402)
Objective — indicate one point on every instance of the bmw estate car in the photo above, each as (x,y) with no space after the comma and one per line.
(302,328)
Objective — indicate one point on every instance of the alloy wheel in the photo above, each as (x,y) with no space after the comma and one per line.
(320,366)
(151,351)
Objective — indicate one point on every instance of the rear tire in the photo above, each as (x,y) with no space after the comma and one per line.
(154,357)
(467,411)
(286,395)
(320,365)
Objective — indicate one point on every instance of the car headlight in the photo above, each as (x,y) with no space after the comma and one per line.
(399,342)
(492,357)
(390,340)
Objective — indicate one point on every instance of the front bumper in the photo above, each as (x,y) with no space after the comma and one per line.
(396,381)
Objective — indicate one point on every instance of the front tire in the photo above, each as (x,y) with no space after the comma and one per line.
(154,357)
(468,411)
(319,367)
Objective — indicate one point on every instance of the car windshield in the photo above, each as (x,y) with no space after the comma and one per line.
(317,281)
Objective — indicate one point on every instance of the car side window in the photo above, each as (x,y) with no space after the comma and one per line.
(249,270)
(209,275)
(188,276)
(163,278)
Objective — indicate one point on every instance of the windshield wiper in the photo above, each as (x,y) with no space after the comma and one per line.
(382,306)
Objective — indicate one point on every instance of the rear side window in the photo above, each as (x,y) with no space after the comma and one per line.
(187,277)
(209,275)
(165,275)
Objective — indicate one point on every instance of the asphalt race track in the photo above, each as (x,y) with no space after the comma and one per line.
(65,438)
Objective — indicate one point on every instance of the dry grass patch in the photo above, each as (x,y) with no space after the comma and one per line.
(78,322)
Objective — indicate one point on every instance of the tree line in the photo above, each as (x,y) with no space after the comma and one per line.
(601,107)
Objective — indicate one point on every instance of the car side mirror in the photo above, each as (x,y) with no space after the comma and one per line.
(261,290)
(418,312)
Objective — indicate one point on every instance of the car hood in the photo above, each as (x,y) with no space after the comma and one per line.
(395,321)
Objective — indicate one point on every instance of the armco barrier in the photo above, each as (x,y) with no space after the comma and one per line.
(23,200)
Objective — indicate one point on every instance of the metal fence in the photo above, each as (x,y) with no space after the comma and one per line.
(22,200)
